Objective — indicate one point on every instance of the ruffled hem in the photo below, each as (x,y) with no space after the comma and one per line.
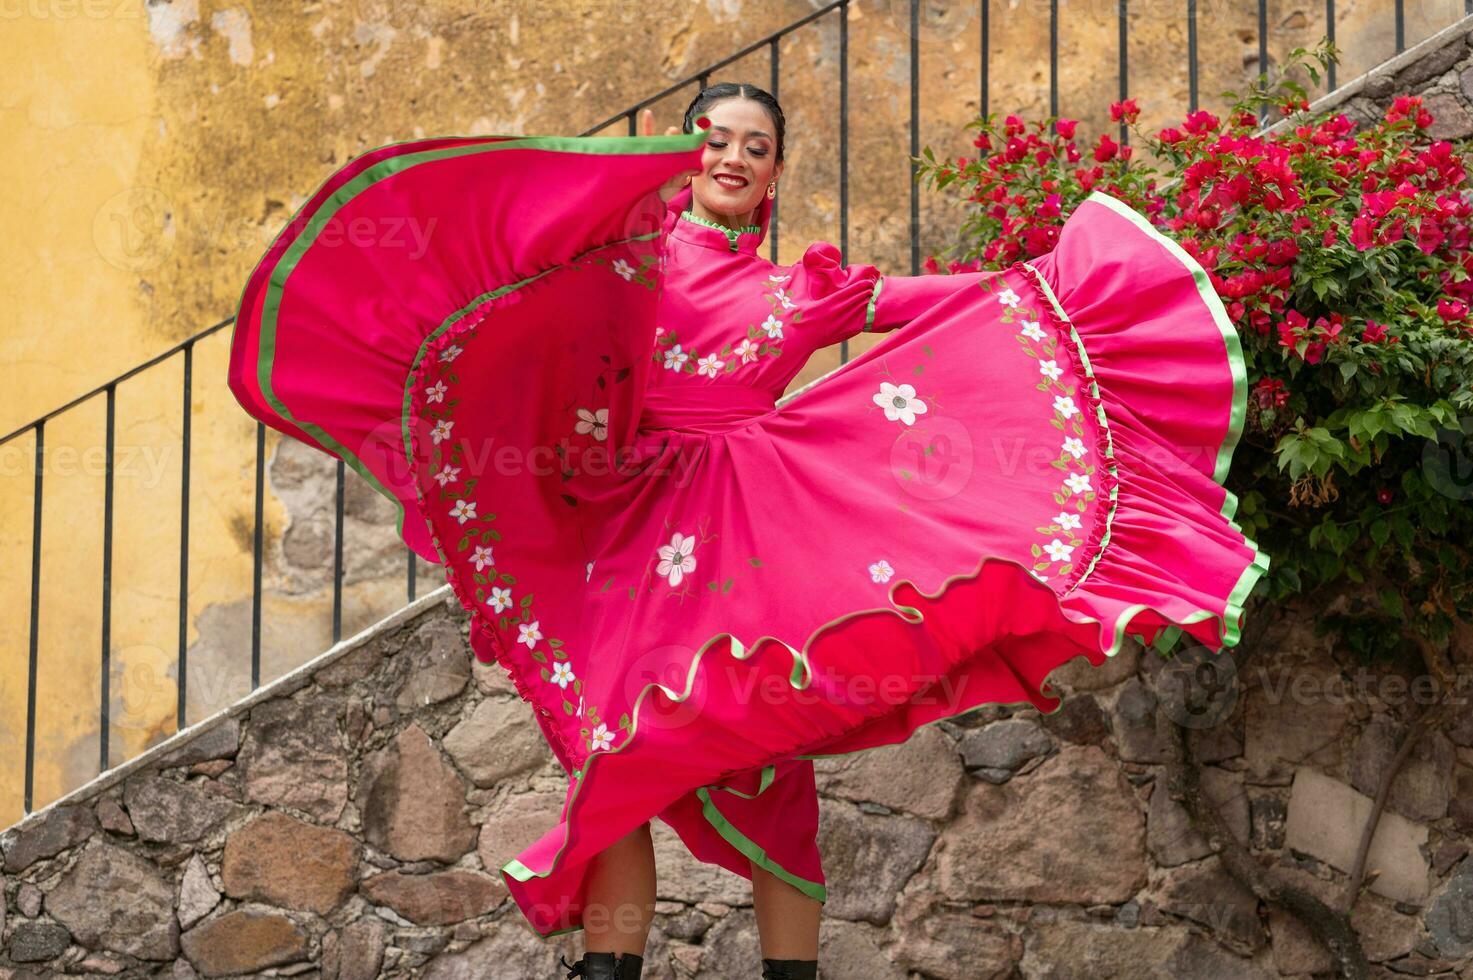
(1018,633)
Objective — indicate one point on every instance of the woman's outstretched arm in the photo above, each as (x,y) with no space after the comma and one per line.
(897,300)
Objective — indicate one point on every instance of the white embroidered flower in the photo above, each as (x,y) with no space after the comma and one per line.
(529,633)
(782,297)
(710,366)
(1064,405)
(1074,446)
(481,557)
(746,350)
(1078,482)
(590,572)
(596,422)
(562,674)
(580,706)
(1051,369)
(899,402)
(777,279)
(773,326)
(464,510)
(1008,298)
(1058,550)
(601,738)
(1032,330)
(880,571)
(448,474)
(500,599)
(1038,575)
(441,431)
(436,392)
(451,353)
(1066,520)
(675,358)
(624,269)
(676,559)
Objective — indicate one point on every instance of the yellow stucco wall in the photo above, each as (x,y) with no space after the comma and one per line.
(153,149)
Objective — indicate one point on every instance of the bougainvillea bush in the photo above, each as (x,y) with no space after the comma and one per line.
(1342,255)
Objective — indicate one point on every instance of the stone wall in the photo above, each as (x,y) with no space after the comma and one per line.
(349,821)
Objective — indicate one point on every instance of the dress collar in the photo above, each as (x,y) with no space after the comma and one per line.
(692,228)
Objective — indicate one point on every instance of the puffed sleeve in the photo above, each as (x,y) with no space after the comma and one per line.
(857,298)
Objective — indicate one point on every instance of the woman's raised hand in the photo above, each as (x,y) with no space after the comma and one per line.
(672,186)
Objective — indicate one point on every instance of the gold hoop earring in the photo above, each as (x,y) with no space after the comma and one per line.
(772,190)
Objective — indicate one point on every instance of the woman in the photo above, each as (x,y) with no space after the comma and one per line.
(570,386)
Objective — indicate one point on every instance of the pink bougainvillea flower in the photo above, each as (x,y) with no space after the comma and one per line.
(1363,232)
(1270,393)
(1330,326)
(1282,252)
(1126,110)
(1201,121)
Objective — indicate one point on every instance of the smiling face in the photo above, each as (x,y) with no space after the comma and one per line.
(740,159)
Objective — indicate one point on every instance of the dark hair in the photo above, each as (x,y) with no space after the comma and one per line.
(712,94)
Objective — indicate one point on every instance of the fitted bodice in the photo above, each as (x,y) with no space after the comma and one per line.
(726,316)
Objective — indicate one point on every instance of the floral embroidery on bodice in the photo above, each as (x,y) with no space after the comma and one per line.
(727,314)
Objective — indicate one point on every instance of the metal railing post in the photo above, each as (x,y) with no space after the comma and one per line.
(31,665)
(107,582)
(185,430)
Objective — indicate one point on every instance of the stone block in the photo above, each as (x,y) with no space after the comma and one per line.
(1326,818)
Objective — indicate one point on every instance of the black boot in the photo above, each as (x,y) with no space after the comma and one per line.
(790,970)
(605,966)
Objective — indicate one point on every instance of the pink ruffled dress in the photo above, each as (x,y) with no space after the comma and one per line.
(572,398)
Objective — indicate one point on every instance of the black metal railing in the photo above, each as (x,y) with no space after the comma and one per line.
(838,11)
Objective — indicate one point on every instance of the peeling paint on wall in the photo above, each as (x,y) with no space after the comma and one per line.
(235,27)
(169,24)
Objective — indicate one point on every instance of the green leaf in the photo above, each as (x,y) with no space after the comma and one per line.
(1404,531)
(1380,533)
(1391,603)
